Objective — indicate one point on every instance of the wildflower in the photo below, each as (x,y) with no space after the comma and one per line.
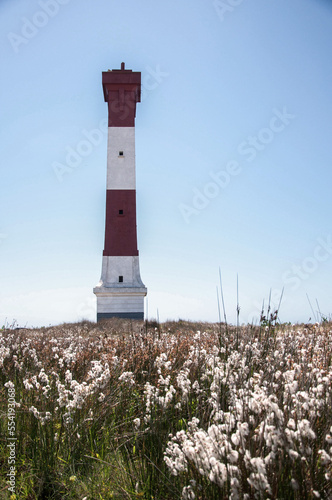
(188,493)
(164,381)
(137,423)
(68,376)
(295,484)
(68,418)
(233,456)
(34,411)
(291,423)
(72,478)
(324,457)
(293,454)
(258,478)
(184,383)
(235,438)
(305,429)
(4,353)
(196,387)
(161,361)
(27,384)
(328,438)
(115,360)
(42,376)
(127,377)
(35,382)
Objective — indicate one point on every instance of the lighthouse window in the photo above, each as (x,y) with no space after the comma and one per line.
(120,212)
(120,153)
(120,279)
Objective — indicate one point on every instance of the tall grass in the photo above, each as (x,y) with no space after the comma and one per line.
(178,410)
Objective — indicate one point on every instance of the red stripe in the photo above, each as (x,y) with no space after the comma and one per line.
(120,230)
(121,108)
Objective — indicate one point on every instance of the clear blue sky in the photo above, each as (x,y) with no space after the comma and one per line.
(233,154)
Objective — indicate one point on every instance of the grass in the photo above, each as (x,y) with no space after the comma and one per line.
(127,410)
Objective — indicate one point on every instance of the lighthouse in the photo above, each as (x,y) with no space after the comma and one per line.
(120,292)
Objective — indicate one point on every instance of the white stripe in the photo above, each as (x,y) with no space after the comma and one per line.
(121,169)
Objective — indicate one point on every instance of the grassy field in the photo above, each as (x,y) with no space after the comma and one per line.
(174,411)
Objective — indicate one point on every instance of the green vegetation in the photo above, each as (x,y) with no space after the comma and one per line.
(126,410)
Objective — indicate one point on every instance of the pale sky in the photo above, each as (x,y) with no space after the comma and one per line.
(233,154)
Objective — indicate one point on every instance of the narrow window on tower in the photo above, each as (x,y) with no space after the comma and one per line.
(120,212)
(120,153)
(120,279)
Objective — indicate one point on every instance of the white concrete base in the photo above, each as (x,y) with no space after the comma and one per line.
(125,300)
(120,299)
(120,302)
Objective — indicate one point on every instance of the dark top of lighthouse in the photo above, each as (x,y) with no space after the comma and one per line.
(122,90)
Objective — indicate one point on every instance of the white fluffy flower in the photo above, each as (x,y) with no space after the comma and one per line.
(27,384)
(137,423)
(128,378)
(324,457)
(188,493)
(293,454)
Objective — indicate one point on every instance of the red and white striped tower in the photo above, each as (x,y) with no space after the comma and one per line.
(120,292)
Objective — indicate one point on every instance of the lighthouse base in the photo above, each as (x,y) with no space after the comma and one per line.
(101,316)
(120,302)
